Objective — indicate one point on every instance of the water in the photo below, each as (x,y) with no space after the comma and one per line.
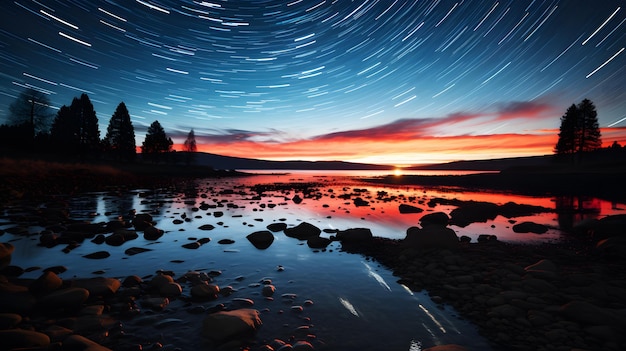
(357,304)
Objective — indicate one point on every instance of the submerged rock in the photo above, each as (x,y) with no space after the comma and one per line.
(231,325)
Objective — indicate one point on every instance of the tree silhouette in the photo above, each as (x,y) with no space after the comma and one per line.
(579,131)
(190,142)
(120,137)
(32,107)
(156,141)
(75,128)
(190,147)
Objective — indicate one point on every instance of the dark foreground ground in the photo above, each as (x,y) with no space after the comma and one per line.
(566,296)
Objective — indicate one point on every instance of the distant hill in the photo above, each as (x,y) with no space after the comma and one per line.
(490,165)
(240,163)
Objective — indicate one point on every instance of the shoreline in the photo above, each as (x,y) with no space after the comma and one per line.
(522,297)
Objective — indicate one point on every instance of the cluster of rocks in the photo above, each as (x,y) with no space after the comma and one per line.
(535,297)
(99,314)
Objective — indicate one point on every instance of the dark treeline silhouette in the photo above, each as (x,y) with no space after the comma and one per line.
(72,134)
(579,132)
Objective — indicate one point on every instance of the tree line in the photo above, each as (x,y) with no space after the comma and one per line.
(73,132)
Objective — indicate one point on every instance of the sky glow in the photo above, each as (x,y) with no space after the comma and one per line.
(394,82)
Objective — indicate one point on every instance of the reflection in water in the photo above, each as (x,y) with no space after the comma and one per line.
(377,277)
(349,306)
(573,209)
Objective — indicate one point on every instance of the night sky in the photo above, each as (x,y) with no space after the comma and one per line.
(396,81)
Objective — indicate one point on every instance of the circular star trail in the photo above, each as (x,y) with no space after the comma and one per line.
(287,73)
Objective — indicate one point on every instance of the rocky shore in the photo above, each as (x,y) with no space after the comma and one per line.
(566,296)
(535,297)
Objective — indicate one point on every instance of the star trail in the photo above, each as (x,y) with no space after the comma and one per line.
(395,81)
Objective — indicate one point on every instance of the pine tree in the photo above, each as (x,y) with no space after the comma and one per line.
(579,131)
(190,142)
(567,132)
(156,141)
(75,128)
(120,137)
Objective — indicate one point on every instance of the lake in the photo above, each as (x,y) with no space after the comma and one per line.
(348,302)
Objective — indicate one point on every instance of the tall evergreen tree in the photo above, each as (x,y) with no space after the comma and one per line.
(156,141)
(190,142)
(567,132)
(590,138)
(120,137)
(579,131)
(75,128)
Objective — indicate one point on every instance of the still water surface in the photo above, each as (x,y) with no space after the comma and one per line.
(357,303)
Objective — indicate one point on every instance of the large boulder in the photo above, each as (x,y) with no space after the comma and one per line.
(355,235)
(530,227)
(435,218)
(47,282)
(6,250)
(303,231)
(473,211)
(261,239)
(231,325)
(431,237)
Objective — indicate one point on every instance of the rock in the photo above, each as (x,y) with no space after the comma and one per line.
(160,280)
(530,227)
(171,289)
(355,235)
(262,239)
(155,303)
(473,211)
(98,255)
(135,250)
(297,199)
(67,299)
(228,325)
(47,282)
(226,241)
(18,338)
(142,221)
(268,290)
(206,227)
(115,239)
(57,333)
(131,281)
(78,342)
(98,286)
(192,245)
(9,320)
(431,237)
(303,231)
(6,249)
(435,218)
(589,314)
(152,233)
(302,346)
(318,242)
(205,291)
(276,227)
(404,209)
